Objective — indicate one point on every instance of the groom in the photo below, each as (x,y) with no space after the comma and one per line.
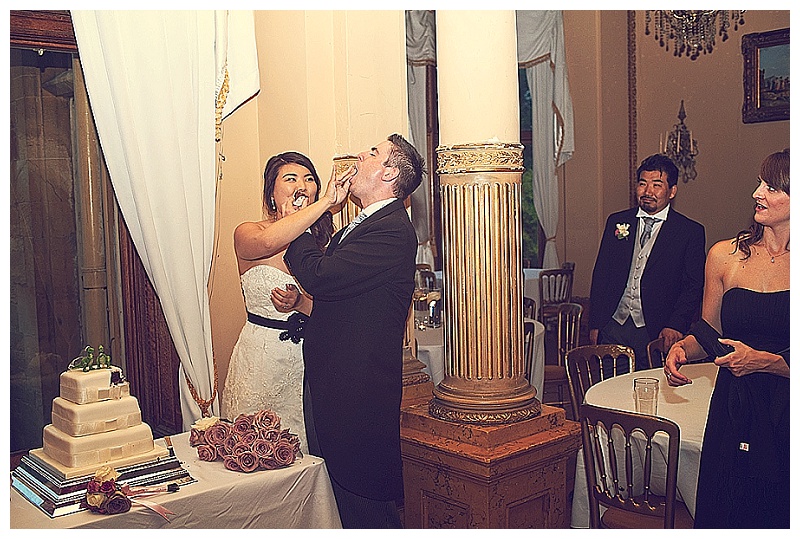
(353,346)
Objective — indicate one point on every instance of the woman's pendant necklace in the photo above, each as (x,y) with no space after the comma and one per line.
(772,257)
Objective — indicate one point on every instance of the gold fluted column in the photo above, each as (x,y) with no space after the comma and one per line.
(480,182)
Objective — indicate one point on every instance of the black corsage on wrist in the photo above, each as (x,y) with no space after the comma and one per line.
(297,322)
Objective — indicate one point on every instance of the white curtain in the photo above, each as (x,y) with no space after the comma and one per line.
(420,52)
(152,78)
(540,49)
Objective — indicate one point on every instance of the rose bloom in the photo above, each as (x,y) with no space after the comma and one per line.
(204,423)
(95,499)
(116,503)
(271,435)
(262,448)
(207,453)
(240,448)
(216,433)
(268,463)
(248,461)
(222,451)
(107,487)
(243,423)
(284,453)
(93,486)
(249,437)
(105,473)
(196,438)
(231,441)
(266,419)
(231,464)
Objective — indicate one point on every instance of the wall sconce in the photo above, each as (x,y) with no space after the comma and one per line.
(679,146)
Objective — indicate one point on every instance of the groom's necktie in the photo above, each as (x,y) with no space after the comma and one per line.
(648,230)
(360,217)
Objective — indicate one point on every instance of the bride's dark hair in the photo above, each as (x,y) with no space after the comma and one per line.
(775,173)
(322,229)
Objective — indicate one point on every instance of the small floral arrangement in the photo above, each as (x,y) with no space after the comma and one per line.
(104,495)
(250,442)
(622,232)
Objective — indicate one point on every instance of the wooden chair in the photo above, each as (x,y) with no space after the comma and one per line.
(624,489)
(555,288)
(528,307)
(569,327)
(656,354)
(587,365)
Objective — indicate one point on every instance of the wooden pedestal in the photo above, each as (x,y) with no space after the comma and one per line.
(506,476)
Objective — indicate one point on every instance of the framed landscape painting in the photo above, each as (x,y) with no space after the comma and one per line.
(766,76)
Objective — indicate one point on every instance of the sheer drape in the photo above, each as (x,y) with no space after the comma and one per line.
(420,52)
(540,50)
(151,78)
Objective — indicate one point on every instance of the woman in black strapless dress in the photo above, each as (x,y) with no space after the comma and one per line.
(744,466)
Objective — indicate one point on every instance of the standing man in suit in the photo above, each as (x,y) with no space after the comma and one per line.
(353,346)
(648,278)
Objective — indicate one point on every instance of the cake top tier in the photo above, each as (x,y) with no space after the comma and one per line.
(94,385)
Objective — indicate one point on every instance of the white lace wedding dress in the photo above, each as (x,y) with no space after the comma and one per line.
(265,372)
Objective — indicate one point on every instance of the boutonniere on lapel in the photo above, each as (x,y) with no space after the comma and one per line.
(622,232)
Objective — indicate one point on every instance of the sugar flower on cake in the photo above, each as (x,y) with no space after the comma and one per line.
(248,443)
(622,232)
(104,495)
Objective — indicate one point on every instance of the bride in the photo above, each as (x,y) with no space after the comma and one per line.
(266,366)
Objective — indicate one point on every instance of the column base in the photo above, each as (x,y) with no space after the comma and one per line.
(499,476)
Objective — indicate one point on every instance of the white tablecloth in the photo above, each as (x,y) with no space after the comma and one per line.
(299,496)
(430,350)
(530,287)
(687,406)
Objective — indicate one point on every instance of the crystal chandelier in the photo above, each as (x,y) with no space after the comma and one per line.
(693,32)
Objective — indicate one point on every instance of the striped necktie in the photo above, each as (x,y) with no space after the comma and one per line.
(360,217)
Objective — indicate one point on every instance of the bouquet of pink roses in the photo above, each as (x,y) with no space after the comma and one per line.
(251,442)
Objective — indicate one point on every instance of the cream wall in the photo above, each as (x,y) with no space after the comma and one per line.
(597,181)
(332,83)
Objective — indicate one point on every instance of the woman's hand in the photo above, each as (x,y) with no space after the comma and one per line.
(674,360)
(746,360)
(285,300)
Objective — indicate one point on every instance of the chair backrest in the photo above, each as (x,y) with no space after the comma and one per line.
(529,337)
(587,365)
(555,286)
(569,329)
(528,307)
(615,475)
(568,266)
(656,353)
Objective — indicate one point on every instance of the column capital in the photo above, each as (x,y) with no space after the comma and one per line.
(479,157)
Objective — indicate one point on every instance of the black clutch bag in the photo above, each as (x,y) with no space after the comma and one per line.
(708,337)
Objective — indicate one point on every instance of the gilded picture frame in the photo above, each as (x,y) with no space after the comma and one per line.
(766,76)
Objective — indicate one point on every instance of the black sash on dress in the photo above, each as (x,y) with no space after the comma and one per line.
(293,327)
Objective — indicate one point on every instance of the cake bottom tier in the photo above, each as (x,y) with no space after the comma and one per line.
(96,449)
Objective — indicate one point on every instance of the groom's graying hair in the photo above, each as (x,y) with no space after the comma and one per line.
(406,159)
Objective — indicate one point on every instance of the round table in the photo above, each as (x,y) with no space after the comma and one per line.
(686,405)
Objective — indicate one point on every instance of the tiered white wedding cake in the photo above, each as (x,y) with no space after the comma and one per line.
(95,422)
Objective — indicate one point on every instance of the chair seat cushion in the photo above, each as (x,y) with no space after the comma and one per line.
(621,519)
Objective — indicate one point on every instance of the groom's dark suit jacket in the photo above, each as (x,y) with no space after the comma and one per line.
(353,346)
(672,282)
